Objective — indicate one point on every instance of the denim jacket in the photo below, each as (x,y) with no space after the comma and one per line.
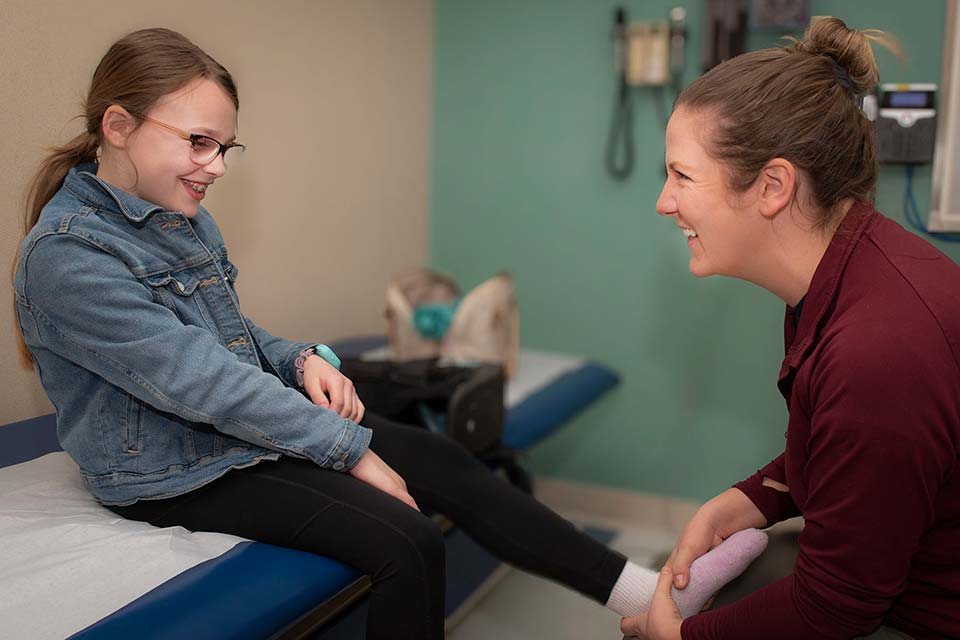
(160,383)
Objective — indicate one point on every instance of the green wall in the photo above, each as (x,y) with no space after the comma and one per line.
(523,99)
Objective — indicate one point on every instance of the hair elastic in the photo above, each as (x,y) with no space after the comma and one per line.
(843,77)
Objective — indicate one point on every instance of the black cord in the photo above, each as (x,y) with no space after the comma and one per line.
(662,117)
(620,147)
(912,213)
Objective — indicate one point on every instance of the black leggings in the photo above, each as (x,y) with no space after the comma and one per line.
(294,503)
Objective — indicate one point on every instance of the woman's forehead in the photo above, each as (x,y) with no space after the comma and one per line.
(686,134)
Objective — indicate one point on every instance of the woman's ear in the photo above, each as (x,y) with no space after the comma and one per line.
(117,125)
(777,182)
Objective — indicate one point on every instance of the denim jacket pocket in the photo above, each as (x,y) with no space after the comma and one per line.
(182,283)
(177,291)
(129,428)
(134,410)
(120,424)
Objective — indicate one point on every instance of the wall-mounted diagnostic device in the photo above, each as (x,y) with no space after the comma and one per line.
(906,134)
(906,123)
(648,46)
(724,31)
(646,54)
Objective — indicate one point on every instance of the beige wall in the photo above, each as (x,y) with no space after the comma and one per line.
(330,198)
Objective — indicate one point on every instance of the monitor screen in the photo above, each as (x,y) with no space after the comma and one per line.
(907,99)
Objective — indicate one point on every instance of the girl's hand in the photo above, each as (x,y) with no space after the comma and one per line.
(663,620)
(329,388)
(375,472)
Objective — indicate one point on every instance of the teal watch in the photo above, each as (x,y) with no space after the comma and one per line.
(327,354)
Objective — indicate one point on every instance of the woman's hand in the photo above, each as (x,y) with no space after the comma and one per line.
(329,388)
(699,536)
(662,621)
(714,522)
(375,472)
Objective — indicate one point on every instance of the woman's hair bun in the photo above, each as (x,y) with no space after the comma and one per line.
(849,48)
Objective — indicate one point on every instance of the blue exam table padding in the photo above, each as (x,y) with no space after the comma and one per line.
(247,593)
(29,439)
(545,410)
(256,590)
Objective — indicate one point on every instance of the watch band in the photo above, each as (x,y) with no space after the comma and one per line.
(321,350)
(327,354)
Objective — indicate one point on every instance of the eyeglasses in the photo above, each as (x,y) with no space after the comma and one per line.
(203,149)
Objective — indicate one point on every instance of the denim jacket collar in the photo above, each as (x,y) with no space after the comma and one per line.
(83,182)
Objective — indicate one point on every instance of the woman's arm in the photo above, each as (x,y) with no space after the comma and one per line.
(876,456)
(757,502)
(768,491)
(714,522)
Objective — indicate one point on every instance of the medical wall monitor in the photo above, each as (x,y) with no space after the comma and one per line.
(906,123)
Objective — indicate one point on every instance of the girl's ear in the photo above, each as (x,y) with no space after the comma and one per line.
(117,125)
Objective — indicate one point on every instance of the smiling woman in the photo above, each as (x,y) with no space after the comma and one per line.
(772,171)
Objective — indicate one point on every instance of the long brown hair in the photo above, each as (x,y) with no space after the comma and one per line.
(801,103)
(136,71)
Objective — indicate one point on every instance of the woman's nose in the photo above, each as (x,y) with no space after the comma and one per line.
(666,203)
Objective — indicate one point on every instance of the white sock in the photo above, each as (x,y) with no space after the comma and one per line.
(632,593)
(635,587)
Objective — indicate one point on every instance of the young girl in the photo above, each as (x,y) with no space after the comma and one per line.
(179,410)
(772,171)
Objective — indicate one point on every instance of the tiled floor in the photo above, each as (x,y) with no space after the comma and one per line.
(524,607)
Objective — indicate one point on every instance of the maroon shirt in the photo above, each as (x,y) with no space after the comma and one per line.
(872,381)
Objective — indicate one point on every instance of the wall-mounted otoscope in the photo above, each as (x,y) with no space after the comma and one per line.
(646,54)
(620,146)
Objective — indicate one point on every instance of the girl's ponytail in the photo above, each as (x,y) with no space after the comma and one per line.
(53,170)
(46,183)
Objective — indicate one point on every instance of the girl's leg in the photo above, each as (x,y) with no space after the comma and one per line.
(293,503)
(511,524)
(519,529)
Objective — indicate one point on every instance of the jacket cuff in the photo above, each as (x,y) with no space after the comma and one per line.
(288,363)
(299,363)
(354,442)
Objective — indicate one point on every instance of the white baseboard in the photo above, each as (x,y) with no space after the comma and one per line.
(621,508)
